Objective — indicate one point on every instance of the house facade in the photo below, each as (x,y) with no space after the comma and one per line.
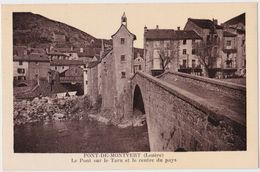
(226,43)
(168,49)
(117,67)
(30,68)
(237,26)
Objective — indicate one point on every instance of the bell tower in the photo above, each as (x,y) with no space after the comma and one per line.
(124,19)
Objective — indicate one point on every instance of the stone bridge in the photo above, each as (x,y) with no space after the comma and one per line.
(191,113)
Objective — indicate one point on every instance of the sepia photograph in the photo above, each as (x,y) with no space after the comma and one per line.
(122,78)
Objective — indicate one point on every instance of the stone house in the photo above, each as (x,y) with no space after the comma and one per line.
(30,68)
(176,46)
(227,44)
(63,65)
(236,26)
(110,74)
(229,52)
(212,36)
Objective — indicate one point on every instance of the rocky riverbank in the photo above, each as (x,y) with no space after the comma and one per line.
(48,109)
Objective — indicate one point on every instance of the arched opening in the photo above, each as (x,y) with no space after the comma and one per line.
(140,115)
(138,103)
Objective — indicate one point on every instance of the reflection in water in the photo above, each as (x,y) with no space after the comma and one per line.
(79,137)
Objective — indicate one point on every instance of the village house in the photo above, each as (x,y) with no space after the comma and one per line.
(226,43)
(71,74)
(236,26)
(173,50)
(57,56)
(109,74)
(30,68)
(212,36)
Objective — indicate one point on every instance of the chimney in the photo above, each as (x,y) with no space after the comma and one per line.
(178,28)
(157,27)
(215,21)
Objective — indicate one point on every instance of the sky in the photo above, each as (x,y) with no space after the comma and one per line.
(103,20)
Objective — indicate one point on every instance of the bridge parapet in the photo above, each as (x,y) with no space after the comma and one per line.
(232,89)
(178,118)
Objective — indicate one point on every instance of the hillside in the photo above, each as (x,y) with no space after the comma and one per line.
(37,31)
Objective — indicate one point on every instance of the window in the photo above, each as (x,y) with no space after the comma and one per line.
(19,70)
(62,67)
(86,82)
(184,51)
(20,62)
(122,57)
(140,68)
(55,67)
(228,43)
(193,63)
(193,51)
(122,40)
(36,63)
(184,42)
(123,75)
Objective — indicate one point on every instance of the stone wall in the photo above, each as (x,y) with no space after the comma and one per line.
(179,120)
(234,90)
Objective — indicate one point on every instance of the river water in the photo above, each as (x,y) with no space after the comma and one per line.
(82,136)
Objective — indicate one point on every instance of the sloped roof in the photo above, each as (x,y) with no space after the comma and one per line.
(238,19)
(32,58)
(138,51)
(66,62)
(170,34)
(205,23)
(93,64)
(186,34)
(122,25)
(106,52)
(228,34)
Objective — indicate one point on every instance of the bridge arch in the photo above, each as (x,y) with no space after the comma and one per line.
(138,101)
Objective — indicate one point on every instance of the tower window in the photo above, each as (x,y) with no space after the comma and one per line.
(184,51)
(122,57)
(122,41)
(184,42)
(123,75)
(19,70)
(20,62)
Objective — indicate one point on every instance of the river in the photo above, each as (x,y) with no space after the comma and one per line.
(82,136)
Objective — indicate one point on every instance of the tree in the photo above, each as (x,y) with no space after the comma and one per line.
(166,57)
(207,52)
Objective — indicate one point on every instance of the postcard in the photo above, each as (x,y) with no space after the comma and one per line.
(130,86)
